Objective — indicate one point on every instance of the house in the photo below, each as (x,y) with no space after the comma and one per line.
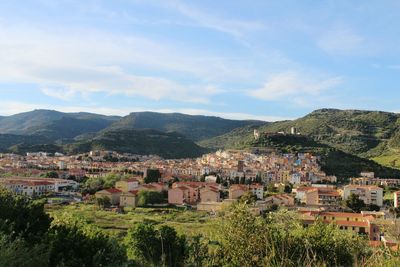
(211,179)
(257,190)
(27,187)
(237,190)
(368,193)
(363,224)
(209,194)
(282,199)
(112,193)
(179,195)
(127,185)
(317,195)
(396,199)
(128,199)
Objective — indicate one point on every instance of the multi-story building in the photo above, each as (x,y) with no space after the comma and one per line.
(363,224)
(369,194)
(317,195)
(257,190)
(396,199)
(127,185)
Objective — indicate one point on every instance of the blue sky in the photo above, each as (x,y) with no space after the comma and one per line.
(267,60)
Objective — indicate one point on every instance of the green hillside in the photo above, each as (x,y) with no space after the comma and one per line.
(167,145)
(237,138)
(353,131)
(69,127)
(195,128)
(373,135)
(9,140)
(54,124)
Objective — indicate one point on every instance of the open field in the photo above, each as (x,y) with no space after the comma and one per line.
(184,221)
(392,160)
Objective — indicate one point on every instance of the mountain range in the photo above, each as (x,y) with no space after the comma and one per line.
(348,141)
(170,135)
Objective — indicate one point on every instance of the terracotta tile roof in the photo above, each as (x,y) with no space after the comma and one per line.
(130,180)
(112,190)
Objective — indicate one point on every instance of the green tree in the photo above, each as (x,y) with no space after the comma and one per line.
(72,242)
(153,176)
(143,244)
(172,247)
(92,185)
(146,197)
(355,203)
(51,174)
(271,188)
(248,198)
(111,178)
(287,188)
(103,202)
(243,237)
(197,251)
(154,247)
(18,253)
(20,216)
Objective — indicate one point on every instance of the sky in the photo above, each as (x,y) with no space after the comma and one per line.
(267,60)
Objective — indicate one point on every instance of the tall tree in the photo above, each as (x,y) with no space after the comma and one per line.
(355,203)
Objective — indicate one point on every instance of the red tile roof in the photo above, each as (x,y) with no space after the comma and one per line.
(113,190)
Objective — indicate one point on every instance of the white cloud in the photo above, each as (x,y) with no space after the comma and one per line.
(293,86)
(83,61)
(63,94)
(340,41)
(235,27)
(12,107)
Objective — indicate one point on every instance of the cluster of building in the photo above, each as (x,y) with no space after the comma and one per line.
(125,192)
(35,187)
(213,181)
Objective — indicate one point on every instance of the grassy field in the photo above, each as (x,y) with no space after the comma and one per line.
(392,160)
(186,222)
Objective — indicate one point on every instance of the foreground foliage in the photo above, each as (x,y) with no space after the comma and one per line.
(240,239)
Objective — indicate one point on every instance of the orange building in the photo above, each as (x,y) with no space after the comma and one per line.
(359,223)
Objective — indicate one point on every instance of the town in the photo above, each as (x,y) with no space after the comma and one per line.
(268,180)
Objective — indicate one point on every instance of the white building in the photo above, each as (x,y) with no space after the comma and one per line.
(369,194)
(257,190)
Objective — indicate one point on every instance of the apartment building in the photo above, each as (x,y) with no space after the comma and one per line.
(363,224)
(396,199)
(317,195)
(369,194)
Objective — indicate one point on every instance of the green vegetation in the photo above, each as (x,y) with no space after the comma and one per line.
(167,145)
(168,135)
(29,237)
(53,123)
(333,160)
(78,235)
(92,185)
(195,128)
(363,134)
(156,247)
(146,197)
(187,222)
(152,176)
